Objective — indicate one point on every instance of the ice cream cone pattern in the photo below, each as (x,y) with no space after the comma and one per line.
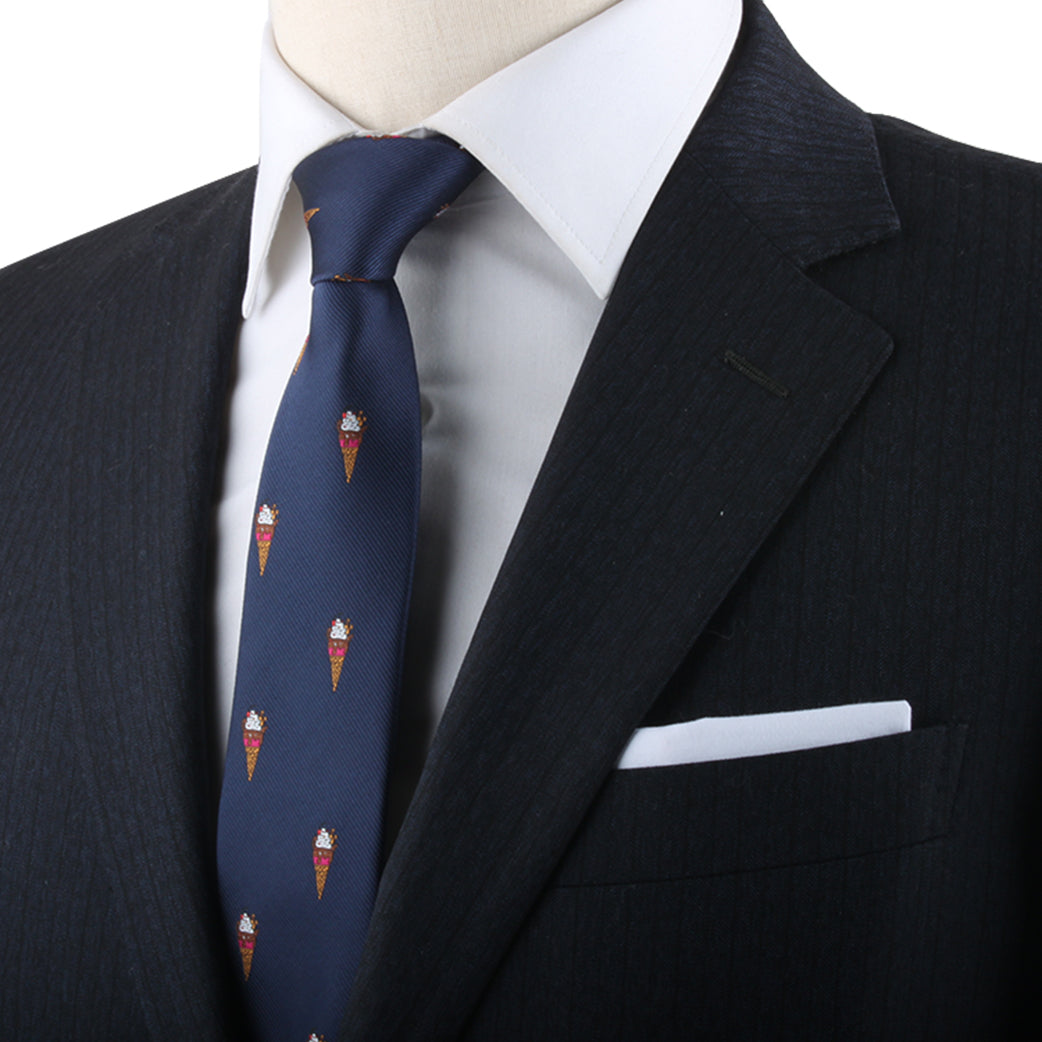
(263,530)
(338,639)
(253,727)
(247,933)
(350,430)
(322,847)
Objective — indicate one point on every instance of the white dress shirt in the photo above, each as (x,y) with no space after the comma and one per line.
(503,294)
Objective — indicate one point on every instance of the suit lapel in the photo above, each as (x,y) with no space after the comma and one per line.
(143,431)
(718,377)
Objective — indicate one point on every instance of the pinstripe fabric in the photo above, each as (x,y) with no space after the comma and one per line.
(887,891)
(107,890)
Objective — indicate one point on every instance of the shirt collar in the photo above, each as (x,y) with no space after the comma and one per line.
(582,131)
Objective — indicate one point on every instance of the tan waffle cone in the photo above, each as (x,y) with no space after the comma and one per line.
(350,455)
(263,549)
(336,665)
(251,761)
(247,962)
(321,871)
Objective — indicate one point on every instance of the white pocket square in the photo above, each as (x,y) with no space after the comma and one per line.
(731,737)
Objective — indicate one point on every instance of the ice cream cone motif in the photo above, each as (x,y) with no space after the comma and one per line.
(253,727)
(322,848)
(247,941)
(263,530)
(338,639)
(350,430)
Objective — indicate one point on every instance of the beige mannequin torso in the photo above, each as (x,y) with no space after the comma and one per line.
(388,64)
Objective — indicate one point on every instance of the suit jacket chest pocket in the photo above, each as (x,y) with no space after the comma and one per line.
(840,801)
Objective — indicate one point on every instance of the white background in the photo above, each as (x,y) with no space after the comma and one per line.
(111,105)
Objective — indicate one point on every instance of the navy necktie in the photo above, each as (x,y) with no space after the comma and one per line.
(327,595)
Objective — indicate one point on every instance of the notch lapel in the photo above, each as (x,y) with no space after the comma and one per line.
(717,378)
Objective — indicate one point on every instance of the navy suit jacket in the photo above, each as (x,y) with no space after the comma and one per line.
(799,467)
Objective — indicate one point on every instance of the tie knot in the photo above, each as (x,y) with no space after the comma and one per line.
(365,198)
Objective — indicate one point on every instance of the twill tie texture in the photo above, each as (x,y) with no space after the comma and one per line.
(327,596)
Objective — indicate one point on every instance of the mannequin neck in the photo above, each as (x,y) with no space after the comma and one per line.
(388,64)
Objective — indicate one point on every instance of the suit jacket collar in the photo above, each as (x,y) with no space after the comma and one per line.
(798,159)
(668,470)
